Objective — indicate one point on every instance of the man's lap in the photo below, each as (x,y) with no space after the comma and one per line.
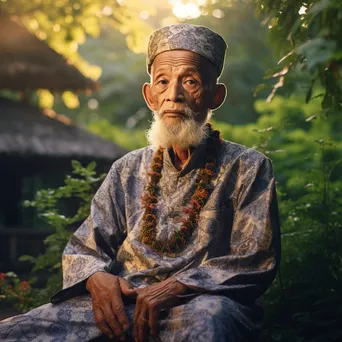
(203,318)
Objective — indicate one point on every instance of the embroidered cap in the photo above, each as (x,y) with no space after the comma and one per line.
(199,39)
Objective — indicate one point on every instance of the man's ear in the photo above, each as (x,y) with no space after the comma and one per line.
(219,97)
(146,90)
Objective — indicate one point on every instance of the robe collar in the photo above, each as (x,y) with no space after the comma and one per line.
(196,160)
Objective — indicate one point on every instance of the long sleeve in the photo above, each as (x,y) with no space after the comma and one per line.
(93,246)
(254,254)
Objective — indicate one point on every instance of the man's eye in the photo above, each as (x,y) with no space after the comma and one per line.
(191,82)
(162,82)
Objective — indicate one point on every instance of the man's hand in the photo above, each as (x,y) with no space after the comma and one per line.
(150,301)
(106,292)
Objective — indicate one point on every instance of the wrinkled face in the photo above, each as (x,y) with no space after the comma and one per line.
(181,79)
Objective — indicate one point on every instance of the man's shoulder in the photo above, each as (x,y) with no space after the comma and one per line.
(248,156)
(134,158)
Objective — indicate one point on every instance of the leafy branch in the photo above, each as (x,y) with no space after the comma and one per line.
(80,188)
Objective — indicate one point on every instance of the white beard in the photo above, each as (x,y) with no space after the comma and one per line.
(184,134)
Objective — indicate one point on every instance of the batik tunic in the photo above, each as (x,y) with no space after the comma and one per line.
(233,253)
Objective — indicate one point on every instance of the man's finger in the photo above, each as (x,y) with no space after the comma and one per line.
(153,319)
(138,306)
(119,310)
(143,328)
(136,317)
(135,325)
(101,323)
(112,321)
(127,288)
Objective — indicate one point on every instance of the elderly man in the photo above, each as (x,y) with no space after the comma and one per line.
(183,235)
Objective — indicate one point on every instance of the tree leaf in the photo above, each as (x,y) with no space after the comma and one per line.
(28,258)
(70,100)
(91,166)
(46,98)
(75,164)
(317,51)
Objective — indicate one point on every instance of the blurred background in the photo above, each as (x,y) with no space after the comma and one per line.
(71,73)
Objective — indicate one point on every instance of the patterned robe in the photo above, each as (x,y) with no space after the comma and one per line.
(229,261)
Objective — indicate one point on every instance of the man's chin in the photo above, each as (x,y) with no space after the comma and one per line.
(169,119)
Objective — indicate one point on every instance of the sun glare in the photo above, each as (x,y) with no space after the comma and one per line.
(186,9)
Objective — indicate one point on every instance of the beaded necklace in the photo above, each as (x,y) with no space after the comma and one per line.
(149,200)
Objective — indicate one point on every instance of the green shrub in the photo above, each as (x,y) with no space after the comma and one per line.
(81,186)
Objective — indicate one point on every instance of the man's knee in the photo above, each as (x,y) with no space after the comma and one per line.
(222,317)
(205,309)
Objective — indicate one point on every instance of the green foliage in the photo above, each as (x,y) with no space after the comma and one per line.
(80,189)
(304,304)
(123,73)
(64,23)
(137,137)
(307,37)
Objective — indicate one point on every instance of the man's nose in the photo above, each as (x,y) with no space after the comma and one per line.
(175,92)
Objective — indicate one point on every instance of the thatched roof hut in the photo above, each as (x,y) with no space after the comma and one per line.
(26,131)
(29,63)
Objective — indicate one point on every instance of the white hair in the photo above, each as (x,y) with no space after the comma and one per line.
(187,132)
